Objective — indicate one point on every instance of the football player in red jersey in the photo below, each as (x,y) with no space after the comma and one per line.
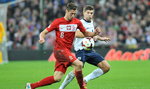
(65,29)
(87,54)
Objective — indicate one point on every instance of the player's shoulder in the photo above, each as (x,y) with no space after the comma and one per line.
(77,21)
(82,20)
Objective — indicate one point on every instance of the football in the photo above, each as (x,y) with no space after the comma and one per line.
(87,43)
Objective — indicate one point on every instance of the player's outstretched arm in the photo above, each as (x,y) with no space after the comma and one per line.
(98,37)
(42,36)
(79,34)
(91,34)
(101,38)
(87,33)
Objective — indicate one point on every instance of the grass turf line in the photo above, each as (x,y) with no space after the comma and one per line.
(123,75)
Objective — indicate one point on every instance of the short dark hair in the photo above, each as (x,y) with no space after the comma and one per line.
(71,6)
(88,7)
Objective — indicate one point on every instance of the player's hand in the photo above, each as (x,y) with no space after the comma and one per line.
(105,39)
(98,30)
(95,38)
(41,41)
(101,38)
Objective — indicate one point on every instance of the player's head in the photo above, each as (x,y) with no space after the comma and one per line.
(88,12)
(71,11)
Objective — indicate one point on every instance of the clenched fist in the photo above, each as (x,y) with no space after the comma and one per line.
(98,30)
(41,41)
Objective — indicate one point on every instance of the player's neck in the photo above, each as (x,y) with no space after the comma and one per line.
(65,17)
(86,20)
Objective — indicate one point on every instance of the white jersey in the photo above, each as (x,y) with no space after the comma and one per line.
(89,26)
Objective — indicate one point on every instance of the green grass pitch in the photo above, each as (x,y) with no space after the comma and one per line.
(123,75)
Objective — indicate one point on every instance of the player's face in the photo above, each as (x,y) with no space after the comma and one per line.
(71,14)
(88,14)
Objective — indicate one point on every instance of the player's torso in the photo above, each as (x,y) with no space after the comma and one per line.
(88,25)
(78,41)
(65,33)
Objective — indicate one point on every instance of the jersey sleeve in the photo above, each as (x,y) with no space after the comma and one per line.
(52,26)
(81,27)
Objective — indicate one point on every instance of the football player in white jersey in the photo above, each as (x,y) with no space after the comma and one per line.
(89,55)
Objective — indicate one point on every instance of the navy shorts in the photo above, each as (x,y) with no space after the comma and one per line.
(89,56)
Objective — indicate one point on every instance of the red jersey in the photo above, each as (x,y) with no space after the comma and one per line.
(65,31)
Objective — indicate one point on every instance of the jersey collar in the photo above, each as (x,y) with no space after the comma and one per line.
(87,21)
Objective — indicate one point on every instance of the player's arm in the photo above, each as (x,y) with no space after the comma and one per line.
(79,34)
(91,34)
(50,28)
(42,36)
(87,33)
(101,38)
(98,37)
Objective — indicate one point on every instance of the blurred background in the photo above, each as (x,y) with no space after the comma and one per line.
(126,22)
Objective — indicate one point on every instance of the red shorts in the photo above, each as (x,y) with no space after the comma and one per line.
(64,58)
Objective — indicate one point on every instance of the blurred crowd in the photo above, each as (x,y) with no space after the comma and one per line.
(126,22)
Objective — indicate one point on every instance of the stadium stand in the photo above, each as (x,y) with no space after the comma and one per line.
(120,19)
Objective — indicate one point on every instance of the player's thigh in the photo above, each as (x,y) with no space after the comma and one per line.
(58,75)
(80,55)
(94,58)
(64,55)
(104,65)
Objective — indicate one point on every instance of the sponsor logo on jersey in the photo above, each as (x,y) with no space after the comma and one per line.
(68,28)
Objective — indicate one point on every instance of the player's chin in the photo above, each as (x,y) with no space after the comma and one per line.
(90,19)
(72,17)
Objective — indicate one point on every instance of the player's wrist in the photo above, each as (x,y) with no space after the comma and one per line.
(96,33)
